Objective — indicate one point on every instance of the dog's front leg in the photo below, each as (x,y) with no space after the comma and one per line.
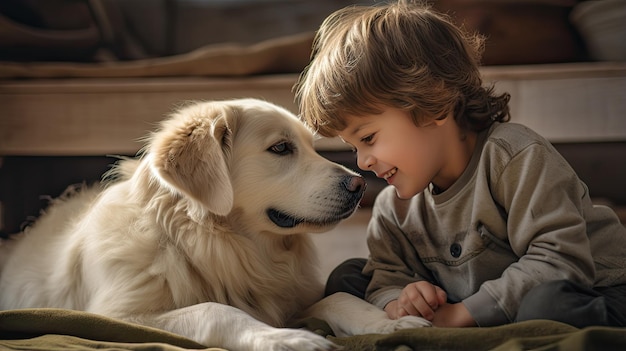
(348,315)
(217,325)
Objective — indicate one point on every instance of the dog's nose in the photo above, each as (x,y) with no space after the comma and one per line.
(354,184)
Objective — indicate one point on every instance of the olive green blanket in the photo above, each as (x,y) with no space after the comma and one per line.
(56,329)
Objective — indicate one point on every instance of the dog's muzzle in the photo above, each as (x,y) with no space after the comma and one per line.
(351,189)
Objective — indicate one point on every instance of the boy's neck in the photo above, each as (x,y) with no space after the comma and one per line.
(458,156)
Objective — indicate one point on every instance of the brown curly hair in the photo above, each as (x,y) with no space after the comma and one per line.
(402,55)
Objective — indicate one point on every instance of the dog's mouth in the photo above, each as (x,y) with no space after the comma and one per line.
(285,220)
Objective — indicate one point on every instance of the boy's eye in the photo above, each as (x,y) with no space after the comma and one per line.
(367,139)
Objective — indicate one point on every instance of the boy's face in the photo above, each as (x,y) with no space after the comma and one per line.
(395,149)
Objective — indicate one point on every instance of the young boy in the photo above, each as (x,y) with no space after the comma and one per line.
(484,222)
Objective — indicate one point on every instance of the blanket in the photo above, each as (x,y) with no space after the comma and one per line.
(58,329)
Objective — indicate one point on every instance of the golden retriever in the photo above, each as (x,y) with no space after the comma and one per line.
(203,235)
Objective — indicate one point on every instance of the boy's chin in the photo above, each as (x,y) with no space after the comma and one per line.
(405,195)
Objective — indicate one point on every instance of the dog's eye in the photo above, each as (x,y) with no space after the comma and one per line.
(282,148)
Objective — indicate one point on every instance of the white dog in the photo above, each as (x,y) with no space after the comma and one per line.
(204,235)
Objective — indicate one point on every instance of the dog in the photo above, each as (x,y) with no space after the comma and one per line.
(203,234)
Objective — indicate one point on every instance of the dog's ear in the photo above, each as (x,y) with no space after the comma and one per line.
(190,153)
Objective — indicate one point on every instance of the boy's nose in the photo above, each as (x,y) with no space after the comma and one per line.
(365,161)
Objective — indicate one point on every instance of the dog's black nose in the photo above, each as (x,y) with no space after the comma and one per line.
(354,184)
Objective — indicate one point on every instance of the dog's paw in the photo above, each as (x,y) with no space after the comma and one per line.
(407,322)
(293,340)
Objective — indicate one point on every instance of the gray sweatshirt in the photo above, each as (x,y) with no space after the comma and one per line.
(518,216)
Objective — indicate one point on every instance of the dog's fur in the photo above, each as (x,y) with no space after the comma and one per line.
(203,235)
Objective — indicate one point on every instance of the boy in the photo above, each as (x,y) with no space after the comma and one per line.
(484,222)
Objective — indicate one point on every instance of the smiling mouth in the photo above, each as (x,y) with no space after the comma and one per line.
(390,173)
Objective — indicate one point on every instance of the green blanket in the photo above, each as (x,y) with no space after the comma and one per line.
(56,329)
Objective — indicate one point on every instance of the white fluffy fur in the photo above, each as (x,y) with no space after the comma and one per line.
(180,238)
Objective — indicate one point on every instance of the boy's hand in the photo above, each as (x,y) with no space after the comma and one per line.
(420,299)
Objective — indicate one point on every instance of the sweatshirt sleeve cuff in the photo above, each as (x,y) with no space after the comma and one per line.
(485,310)
(380,299)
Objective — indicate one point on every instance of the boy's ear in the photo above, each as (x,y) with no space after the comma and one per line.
(442,120)
(191,154)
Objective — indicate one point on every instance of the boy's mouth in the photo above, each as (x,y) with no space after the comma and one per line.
(390,173)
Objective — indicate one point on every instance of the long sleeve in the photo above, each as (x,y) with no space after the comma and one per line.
(543,202)
(394,262)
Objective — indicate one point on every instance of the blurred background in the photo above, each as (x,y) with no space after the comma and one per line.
(519,31)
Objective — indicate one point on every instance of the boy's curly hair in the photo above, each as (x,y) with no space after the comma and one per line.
(401,55)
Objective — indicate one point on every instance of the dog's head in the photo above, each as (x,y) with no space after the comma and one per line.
(254,161)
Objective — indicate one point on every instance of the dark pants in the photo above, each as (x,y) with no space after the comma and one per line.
(559,300)
(347,277)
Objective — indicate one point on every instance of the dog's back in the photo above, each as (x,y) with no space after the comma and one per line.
(29,260)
